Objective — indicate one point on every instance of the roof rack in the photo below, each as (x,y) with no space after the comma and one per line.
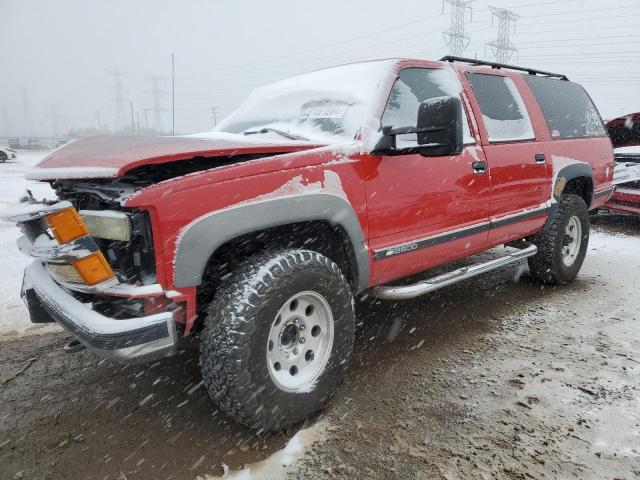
(473,61)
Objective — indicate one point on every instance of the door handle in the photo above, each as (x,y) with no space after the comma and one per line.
(540,158)
(479,167)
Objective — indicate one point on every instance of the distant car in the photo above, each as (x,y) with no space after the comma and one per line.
(6,154)
(625,137)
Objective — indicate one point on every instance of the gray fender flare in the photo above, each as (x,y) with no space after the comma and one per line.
(202,237)
(567,173)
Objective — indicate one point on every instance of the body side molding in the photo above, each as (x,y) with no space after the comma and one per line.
(193,252)
(459,233)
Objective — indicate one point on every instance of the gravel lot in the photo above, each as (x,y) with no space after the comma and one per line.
(494,378)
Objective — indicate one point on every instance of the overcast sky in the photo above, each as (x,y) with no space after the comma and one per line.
(57,53)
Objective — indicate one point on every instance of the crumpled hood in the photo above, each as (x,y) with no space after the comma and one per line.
(624,131)
(112,156)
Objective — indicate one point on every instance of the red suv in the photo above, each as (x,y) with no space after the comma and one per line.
(325,186)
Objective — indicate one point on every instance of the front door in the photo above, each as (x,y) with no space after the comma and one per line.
(424,211)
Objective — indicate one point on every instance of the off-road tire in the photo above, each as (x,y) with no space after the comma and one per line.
(547,265)
(233,343)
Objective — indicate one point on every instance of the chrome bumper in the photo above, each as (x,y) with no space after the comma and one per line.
(133,340)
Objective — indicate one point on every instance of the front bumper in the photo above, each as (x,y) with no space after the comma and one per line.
(132,340)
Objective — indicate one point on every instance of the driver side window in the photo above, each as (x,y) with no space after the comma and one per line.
(414,86)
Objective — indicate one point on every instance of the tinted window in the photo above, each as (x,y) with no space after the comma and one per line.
(503,110)
(414,86)
(567,108)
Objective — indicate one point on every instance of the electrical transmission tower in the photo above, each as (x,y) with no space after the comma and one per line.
(214,115)
(503,48)
(118,98)
(55,118)
(157,109)
(455,37)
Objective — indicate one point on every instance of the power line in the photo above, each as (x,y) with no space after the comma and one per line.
(590,10)
(220,73)
(580,20)
(342,42)
(378,32)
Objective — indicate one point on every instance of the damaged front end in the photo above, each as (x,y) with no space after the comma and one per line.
(93,273)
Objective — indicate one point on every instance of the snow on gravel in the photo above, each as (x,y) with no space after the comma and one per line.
(13,315)
(281,462)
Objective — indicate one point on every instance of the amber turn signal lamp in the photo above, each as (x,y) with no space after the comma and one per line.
(93,269)
(66,225)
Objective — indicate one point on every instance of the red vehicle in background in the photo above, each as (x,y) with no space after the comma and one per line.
(337,183)
(625,136)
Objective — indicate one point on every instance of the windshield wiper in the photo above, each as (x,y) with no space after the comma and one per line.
(275,130)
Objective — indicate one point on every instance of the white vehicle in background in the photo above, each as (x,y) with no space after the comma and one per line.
(6,154)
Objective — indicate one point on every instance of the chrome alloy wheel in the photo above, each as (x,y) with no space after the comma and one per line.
(571,241)
(300,342)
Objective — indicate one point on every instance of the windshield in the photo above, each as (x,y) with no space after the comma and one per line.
(329,105)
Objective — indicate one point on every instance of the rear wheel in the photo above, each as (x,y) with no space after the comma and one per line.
(562,244)
(277,338)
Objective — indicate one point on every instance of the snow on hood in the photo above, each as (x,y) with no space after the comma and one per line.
(112,156)
(624,131)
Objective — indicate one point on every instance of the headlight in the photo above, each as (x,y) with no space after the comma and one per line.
(107,224)
(66,273)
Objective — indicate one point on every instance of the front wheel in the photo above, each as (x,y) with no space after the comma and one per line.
(562,244)
(277,338)
(3,157)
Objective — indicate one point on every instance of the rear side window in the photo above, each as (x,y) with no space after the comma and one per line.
(503,110)
(567,108)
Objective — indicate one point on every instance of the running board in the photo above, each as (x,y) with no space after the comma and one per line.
(405,292)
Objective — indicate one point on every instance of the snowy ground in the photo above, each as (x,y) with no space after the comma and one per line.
(13,316)
(494,378)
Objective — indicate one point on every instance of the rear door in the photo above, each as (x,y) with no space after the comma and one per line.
(518,167)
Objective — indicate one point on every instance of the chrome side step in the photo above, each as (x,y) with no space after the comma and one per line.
(404,292)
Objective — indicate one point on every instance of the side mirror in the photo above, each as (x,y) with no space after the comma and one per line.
(438,128)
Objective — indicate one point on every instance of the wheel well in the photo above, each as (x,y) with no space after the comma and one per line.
(321,236)
(581,186)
